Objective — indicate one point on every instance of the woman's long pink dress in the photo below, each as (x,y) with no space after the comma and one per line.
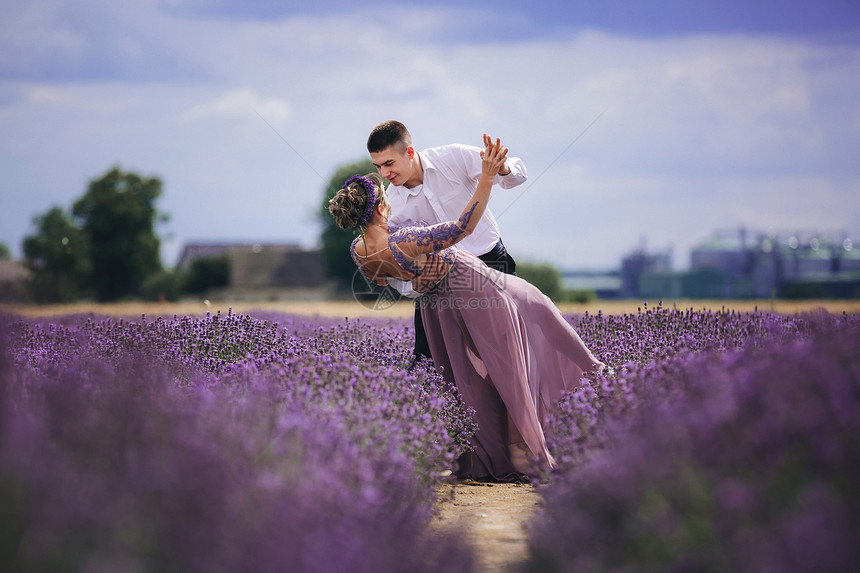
(507,349)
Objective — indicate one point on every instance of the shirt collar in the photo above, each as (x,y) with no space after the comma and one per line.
(411,192)
(425,161)
(426,165)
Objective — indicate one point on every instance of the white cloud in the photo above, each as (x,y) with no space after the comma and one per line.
(697,132)
(241,103)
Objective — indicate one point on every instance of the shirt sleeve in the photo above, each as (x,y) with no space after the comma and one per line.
(403,287)
(517,176)
(468,159)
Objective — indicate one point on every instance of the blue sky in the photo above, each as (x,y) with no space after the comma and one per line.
(708,114)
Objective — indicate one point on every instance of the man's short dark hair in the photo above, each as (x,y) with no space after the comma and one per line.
(386,134)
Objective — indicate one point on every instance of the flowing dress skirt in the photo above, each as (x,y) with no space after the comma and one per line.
(510,353)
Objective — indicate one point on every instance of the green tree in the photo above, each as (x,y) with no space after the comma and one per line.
(207,273)
(165,285)
(118,215)
(544,276)
(58,258)
(5,253)
(336,241)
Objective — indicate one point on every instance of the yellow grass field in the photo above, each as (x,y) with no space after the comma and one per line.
(403,309)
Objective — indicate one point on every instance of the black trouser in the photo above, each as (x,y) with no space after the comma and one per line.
(497,258)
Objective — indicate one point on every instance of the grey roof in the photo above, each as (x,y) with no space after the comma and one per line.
(276,266)
(202,250)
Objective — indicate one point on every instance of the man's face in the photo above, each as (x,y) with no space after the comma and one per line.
(393,164)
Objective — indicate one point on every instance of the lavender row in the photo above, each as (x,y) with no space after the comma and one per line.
(656,333)
(312,360)
(732,457)
(222,444)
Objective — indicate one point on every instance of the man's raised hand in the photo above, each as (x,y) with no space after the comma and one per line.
(494,156)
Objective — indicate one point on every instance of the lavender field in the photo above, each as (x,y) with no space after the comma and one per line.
(720,441)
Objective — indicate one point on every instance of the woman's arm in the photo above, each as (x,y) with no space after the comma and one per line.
(424,240)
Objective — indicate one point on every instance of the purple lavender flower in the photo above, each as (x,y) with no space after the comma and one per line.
(730,457)
(222,443)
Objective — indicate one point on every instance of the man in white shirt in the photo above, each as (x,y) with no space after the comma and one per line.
(433,186)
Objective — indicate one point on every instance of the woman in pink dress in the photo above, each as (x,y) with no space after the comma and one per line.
(498,338)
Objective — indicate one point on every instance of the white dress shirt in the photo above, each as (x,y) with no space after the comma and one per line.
(451,174)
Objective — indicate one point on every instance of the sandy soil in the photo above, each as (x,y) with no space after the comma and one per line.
(492,518)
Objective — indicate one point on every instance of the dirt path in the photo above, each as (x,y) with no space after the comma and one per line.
(492,517)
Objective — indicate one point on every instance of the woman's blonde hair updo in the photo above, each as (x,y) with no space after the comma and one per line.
(349,206)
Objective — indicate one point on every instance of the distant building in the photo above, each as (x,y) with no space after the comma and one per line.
(786,263)
(261,271)
(724,252)
(723,266)
(604,284)
(193,251)
(753,264)
(13,281)
(638,264)
(740,263)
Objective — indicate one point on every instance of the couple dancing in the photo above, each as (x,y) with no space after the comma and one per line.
(495,336)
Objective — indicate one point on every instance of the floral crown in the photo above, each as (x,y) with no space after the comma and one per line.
(371,197)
